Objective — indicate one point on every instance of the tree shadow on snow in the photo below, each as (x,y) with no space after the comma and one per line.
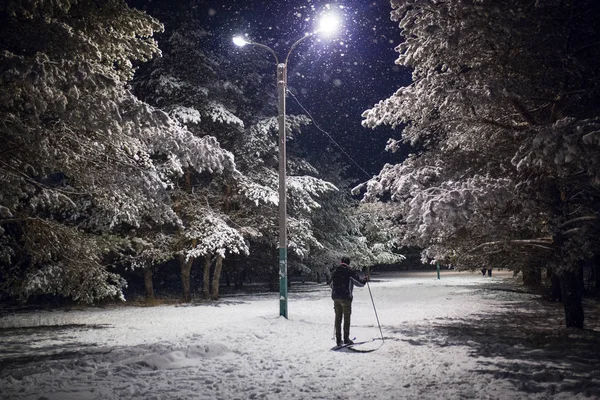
(25,345)
(525,343)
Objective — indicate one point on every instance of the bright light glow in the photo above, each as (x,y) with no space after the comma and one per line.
(240,41)
(329,23)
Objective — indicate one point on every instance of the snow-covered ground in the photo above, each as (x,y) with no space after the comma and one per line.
(463,336)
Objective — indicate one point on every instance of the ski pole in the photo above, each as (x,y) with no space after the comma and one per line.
(375,309)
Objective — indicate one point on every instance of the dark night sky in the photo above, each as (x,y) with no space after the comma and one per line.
(336,79)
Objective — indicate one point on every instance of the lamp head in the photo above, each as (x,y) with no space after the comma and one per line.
(240,41)
(329,23)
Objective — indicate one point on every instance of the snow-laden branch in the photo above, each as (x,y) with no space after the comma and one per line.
(545,243)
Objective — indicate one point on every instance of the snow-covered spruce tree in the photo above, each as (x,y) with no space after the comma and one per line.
(80,154)
(213,93)
(185,83)
(254,197)
(504,107)
(345,227)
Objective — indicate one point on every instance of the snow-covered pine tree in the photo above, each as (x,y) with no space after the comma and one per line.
(187,83)
(213,92)
(80,154)
(503,106)
(344,227)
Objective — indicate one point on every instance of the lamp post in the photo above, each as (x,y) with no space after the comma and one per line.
(328,24)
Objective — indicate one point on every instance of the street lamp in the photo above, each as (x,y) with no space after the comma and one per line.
(328,24)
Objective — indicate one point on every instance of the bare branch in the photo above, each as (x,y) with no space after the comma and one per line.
(580,219)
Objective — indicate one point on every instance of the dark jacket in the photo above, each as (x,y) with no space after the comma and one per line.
(342,282)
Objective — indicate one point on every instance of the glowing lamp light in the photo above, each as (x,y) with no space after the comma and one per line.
(329,23)
(240,41)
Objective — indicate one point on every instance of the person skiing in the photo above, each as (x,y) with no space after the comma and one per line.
(342,282)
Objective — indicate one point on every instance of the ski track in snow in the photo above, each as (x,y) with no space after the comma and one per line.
(462,337)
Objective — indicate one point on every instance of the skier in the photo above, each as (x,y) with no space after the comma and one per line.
(342,282)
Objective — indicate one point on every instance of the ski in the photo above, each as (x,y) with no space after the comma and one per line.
(343,346)
(361,351)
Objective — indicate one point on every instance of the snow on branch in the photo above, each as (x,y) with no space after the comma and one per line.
(214,236)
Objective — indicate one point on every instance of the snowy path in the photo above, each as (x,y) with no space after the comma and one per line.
(462,337)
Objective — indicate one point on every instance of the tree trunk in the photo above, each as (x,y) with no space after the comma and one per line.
(580,279)
(570,290)
(238,277)
(186,267)
(571,297)
(532,276)
(596,269)
(206,277)
(227,275)
(217,277)
(149,285)
(274,279)
(554,292)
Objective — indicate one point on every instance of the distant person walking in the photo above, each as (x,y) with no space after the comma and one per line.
(342,282)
